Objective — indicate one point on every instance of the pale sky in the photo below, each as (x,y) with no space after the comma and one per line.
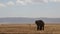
(30,8)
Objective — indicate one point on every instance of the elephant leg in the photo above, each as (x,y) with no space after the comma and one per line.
(43,28)
(40,27)
(37,27)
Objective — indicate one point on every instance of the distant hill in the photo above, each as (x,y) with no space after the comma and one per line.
(19,20)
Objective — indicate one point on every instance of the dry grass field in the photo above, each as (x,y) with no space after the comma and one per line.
(28,29)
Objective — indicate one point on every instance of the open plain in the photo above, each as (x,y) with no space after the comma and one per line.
(28,29)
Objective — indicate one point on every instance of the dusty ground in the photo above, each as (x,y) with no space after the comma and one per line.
(28,29)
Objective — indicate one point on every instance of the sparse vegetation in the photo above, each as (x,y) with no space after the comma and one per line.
(28,29)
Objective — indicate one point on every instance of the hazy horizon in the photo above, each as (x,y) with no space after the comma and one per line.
(30,8)
(29,17)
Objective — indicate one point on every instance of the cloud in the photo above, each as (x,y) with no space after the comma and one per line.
(20,2)
(10,3)
(40,1)
(54,0)
(2,5)
(28,1)
(25,2)
(46,1)
(58,0)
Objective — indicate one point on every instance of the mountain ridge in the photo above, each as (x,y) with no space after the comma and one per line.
(27,20)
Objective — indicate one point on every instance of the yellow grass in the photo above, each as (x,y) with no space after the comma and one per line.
(28,29)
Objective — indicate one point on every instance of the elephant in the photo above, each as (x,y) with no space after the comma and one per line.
(40,24)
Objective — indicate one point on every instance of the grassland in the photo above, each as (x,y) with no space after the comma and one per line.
(28,29)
